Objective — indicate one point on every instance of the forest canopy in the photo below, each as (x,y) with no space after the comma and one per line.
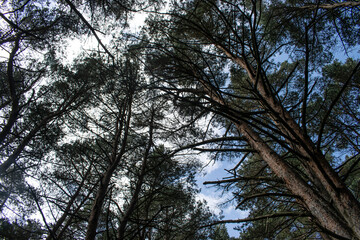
(105,145)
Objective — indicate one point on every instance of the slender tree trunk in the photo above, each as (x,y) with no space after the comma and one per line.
(105,179)
(139,183)
(66,212)
(13,92)
(97,206)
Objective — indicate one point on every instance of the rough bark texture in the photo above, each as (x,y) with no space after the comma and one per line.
(311,200)
(338,215)
(344,206)
(332,6)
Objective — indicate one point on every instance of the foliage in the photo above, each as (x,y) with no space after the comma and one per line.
(290,117)
(104,146)
(220,233)
(23,230)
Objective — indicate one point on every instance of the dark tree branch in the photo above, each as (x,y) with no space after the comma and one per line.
(13,91)
(224,150)
(64,107)
(214,140)
(234,180)
(306,84)
(139,183)
(333,103)
(72,6)
(12,24)
(251,219)
(331,6)
(66,211)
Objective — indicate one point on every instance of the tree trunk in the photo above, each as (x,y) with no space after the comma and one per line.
(105,179)
(139,183)
(320,209)
(97,206)
(344,204)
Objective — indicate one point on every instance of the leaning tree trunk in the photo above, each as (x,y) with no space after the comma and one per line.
(339,215)
(343,200)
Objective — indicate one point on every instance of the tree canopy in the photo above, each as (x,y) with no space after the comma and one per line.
(105,145)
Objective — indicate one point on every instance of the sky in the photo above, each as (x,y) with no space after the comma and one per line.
(212,171)
(215,197)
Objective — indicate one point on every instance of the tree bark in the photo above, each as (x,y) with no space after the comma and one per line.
(66,212)
(13,92)
(97,205)
(331,6)
(320,209)
(344,202)
(105,179)
(139,183)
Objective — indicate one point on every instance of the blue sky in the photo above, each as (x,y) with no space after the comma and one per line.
(216,197)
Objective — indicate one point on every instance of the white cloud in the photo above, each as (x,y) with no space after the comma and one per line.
(137,21)
(209,165)
(212,201)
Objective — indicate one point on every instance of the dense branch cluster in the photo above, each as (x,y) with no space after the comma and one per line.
(104,146)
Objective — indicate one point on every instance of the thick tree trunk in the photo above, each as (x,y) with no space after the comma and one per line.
(320,209)
(344,203)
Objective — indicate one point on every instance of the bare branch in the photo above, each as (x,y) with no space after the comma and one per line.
(263,179)
(224,150)
(72,6)
(14,25)
(332,105)
(214,140)
(251,219)
(331,6)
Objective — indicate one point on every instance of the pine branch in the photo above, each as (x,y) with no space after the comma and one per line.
(263,179)
(72,6)
(331,6)
(333,103)
(214,140)
(224,150)
(251,219)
